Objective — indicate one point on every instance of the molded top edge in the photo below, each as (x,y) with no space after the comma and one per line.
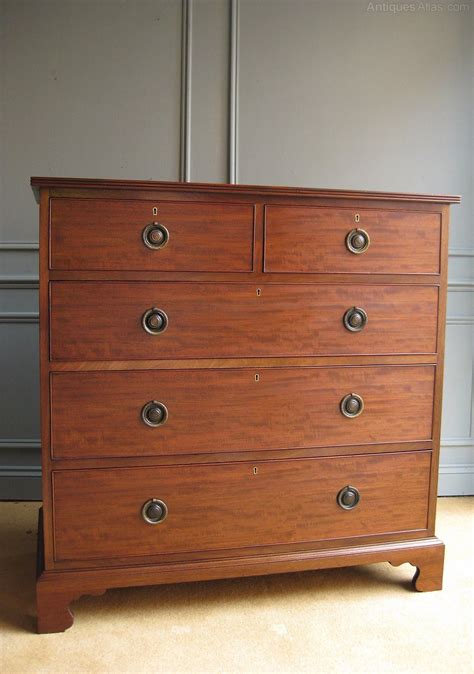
(99,183)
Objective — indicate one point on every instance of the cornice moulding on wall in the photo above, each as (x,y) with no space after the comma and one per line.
(20,443)
(456,468)
(19,245)
(457,442)
(19,281)
(19,317)
(460,285)
(461,252)
(460,320)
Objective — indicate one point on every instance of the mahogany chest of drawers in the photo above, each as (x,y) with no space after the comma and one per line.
(236,380)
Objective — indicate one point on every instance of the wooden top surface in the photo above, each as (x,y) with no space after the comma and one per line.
(75,183)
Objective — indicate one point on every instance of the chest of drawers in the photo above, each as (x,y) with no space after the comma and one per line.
(236,380)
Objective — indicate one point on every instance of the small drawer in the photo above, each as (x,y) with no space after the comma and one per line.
(308,239)
(130,512)
(123,321)
(170,412)
(137,235)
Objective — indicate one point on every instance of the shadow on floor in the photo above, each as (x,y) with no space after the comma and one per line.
(18,534)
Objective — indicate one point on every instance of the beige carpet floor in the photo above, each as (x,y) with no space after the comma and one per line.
(363,619)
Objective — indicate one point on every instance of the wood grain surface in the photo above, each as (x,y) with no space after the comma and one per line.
(313,239)
(98,414)
(233,505)
(102,321)
(106,234)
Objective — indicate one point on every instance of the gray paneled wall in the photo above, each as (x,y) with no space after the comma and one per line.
(297,92)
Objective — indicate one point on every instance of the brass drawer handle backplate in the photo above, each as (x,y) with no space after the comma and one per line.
(348,497)
(154,511)
(154,413)
(355,319)
(352,405)
(357,241)
(155,236)
(154,321)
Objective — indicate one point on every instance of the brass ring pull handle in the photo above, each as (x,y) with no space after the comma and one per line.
(155,236)
(154,321)
(357,241)
(352,405)
(154,511)
(355,319)
(154,414)
(348,497)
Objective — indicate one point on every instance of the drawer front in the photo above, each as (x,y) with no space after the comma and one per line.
(310,239)
(99,414)
(104,320)
(101,234)
(98,513)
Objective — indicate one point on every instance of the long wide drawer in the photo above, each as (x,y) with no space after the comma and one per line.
(162,412)
(126,234)
(310,239)
(101,513)
(108,320)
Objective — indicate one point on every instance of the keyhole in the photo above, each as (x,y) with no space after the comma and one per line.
(357,217)
(259,292)
(155,210)
(257,377)
(255,470)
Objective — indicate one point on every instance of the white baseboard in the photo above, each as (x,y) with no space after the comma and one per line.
(456,479)
(20,483)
